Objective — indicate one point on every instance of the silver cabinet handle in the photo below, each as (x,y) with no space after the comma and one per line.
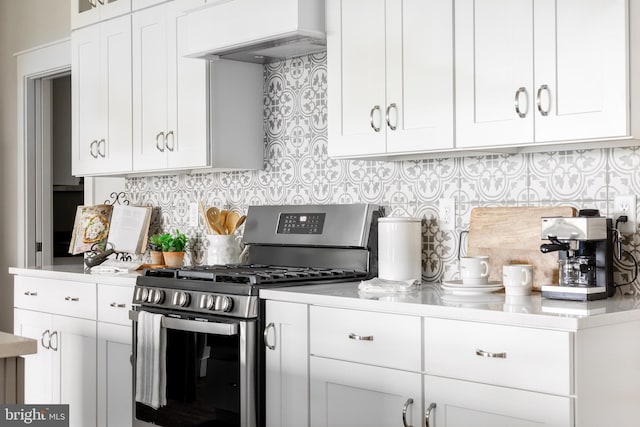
(93,3)
(45,346)
(116,305)
(71,299)
(395,107)
(54,333)
(404,412)
(373,125)
(93,145)
(31,294)
(483,353)
(539,100)
(101,143)
(266,333)
(519,92)
(360,337)
(101,2)
(160,137)
(427,415)
(171,146)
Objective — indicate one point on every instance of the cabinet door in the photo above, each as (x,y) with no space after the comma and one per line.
(287,372)
(115,53)
(114,375)
(101,90)
(581,69)
(187,142)
(40,368)
(356,61)
(345,394)
(88,103)
(77,370)
(494,72)
(419,48)
(150,86)
(464,404)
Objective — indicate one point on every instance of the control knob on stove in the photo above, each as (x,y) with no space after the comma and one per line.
(206,302)
(141,295)
(223,303)
(156,296)
(180,299)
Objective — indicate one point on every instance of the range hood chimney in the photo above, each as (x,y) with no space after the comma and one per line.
(259,31)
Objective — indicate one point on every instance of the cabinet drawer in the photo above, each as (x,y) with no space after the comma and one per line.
(114,303)
(525,358)
(372,338)
(76,299)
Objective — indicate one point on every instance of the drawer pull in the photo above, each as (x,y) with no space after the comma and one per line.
(360,337)
(71,299)
(427,415)
(31,294)
(404,412)
(116,305)
(489,354)
(266,333)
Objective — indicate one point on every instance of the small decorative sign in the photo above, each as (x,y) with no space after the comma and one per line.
(34,415)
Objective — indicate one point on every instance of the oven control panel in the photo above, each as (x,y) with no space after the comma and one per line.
(301,223)
(194,301)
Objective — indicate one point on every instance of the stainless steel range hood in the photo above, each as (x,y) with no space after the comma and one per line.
(258,31)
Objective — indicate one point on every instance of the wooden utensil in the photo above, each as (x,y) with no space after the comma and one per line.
(241,221)
(220,221)
(231,221)
(511,235)
(212,215)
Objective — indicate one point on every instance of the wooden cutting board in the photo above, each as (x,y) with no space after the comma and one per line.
(511,235)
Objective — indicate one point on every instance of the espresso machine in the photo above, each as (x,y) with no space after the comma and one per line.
(585,246)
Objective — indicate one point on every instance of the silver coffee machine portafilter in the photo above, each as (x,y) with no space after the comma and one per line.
(585,262)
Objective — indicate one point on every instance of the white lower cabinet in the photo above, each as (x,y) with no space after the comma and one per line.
(287,366)
(63,370)
(346,394)
(114,375)
(84,348)
(454,403)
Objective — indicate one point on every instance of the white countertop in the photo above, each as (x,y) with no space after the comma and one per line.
(76,273)
(13,345)
(431,301)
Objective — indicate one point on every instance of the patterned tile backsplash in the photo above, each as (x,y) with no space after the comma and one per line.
(298,171)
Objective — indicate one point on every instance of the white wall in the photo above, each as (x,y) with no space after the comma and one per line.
(24,24)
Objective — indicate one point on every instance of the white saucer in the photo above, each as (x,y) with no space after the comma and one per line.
(459,284)
(456,287)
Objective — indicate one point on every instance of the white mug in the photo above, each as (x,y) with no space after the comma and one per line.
(474,270)
(517,279)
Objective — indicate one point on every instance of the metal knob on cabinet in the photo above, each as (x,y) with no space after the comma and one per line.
(404,412)
(116,305)
(93,145)
(206,302)
(71,299)
(45,346)
(31,294)
(53,334)
(159,138)
(180,299)
(539,100)
(101,148)
(395,107)
(483,353)
(373,125)
(171,146)
(427,415)
(357,337)
(266,333)
(519,92)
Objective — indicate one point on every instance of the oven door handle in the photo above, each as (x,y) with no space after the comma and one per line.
(227,329)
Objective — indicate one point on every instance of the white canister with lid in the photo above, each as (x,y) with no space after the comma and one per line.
(400,248)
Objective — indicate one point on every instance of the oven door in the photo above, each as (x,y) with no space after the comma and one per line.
(210,372)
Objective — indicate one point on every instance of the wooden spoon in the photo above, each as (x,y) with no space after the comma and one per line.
(212,219)
(231,221)
(241,221)
(204,216)
(220,222)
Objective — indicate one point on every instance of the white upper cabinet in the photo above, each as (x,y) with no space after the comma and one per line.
(540,71)
(87,12)
(101,98)
(178,103)
(390,68)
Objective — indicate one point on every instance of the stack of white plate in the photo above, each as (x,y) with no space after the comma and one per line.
(458,288)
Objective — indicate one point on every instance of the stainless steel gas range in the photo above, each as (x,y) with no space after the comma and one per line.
(214,319)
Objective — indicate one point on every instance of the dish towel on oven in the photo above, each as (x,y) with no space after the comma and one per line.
(151,372)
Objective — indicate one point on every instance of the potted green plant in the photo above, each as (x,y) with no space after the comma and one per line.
(155,248)
(173,246)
